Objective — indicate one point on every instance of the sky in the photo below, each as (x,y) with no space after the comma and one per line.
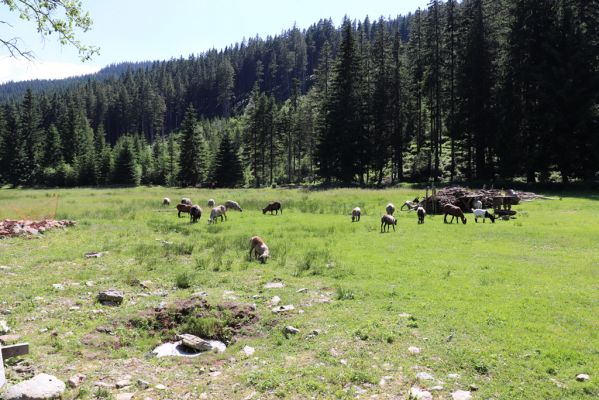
(143,30)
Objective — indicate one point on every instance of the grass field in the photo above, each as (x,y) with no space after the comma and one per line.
(512,307)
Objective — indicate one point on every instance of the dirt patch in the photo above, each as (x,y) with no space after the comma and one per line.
(9,228)
(100,341)
(221,322)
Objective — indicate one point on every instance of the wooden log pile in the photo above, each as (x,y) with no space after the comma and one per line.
(464,198)
(9,228)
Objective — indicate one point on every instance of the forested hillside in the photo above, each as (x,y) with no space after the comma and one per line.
(471,90)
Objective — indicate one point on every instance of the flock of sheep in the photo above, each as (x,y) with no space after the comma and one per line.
(259,248)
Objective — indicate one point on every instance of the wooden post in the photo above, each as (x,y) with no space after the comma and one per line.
(428,209)
(2,376)
(434,193)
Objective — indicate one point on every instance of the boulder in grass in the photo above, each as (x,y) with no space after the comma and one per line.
(195,343)
(111,297)
(461,395)
(4,329)
(40,387)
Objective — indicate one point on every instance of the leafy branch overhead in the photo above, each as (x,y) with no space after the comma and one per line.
(61,17)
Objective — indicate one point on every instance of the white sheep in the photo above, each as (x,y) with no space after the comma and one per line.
(211,202)
(166,201)
(218,211)
(355,214)
(230,204)
(390,208)
(421,214)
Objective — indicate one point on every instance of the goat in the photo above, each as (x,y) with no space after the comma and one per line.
(412,205)
(186,200)
(259,248)
(195,213)
(355,214)
(421,214)
(218,211)
(480,213)
(274,206)
(455,212)
(230,204)
(166,202)
(183,208)
(387,220)
(211,203)
(390,208)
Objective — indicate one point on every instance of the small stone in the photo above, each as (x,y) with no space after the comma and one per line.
(43,330)
(302,290)
(146,284)
(453,376)
(248,350)
(90,283)
(280,309)
(194,342)
(76,380)
(437,388)
(582,377)
(419,394)
(199,294)
(42,386)
(424,376)
(143,384)
(274,285)
(461,395)
(124,396)
(215,374)
(414,350)
(58,286)
(93,255)
(275,300)
(111,297)
(291,330)
(74,308)
(404,315)
(343,361)
(7,339)
(160,386)
(473,387)
(204,396)
(123,383)
(359,390)
(104,385)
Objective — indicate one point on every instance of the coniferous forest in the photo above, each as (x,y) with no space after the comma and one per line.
(473,90)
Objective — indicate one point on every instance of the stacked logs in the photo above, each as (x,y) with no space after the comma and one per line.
(464,198)
(9,228)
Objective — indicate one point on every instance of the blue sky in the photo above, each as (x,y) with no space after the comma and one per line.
(138,30)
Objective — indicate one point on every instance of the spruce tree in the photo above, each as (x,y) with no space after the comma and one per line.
(192,158)
(126,170)
(227,166)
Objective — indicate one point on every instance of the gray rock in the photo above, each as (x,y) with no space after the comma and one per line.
(194,342)
(424,376)
(76,380)
(461,395)
(302,290)
(414,350)
(111,297)
(473,387)
(582,377)
(42,386)
(125,396)
(7,339)
(123,383)
(143,384)
(4,329)
(280,309)
(291,329)
(420,394)
(248,350)
(453,376)
(275,300)
(274,285)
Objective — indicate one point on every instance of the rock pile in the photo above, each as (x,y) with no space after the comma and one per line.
(9,228)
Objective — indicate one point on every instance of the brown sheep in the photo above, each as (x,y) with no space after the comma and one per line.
(355,214)
(183,208)
(455,212)
(274,206)
(390,208)
(387,220)
(259,248)
(195,213)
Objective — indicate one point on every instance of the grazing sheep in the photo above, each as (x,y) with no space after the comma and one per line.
(387,220)
(480,213)
(183,208)
(186,200)
(390,208)
(218,211)
(421,214)
(412,205)
(195,213)
(259,248)
(355,214)
(166,202)
(230,204)
(274,206)
(455,212)
(211,203)
(478,204)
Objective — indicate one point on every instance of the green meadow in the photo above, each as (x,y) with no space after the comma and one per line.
(511,307)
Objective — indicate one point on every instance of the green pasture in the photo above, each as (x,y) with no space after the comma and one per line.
(512,307)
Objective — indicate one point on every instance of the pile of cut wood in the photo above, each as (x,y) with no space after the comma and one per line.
(465,198)
(10,227)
